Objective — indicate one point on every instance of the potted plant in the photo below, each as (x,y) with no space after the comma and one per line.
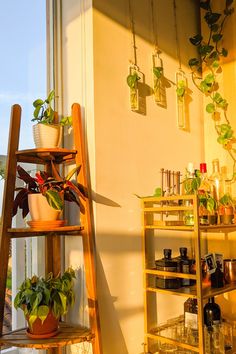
(226,209)
(47,132)
(51,191)
(44,301)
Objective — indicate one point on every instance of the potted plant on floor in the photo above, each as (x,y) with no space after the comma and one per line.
(44,301)
(47,132)
(42,195)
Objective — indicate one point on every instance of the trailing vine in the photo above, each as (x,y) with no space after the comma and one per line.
(210,52)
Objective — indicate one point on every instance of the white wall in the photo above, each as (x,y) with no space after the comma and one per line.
(126,149)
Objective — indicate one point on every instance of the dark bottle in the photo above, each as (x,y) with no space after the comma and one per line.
(184,265)
(191,314)
(169,265)
(212,313)
(217,278)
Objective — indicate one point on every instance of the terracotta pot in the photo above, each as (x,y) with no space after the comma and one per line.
(46,329)
(47,135)
(40,209)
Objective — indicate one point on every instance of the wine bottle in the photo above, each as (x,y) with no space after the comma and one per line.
(212,313)
(203,192)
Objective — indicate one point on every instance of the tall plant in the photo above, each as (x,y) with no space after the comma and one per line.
(206,68)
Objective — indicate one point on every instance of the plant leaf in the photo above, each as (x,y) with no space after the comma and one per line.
(54,199)
(43,312)
(210,108)
(38,102)
(196,40)
(193,62)
(217,37)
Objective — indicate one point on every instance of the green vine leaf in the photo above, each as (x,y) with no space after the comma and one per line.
(214,27)
(193,62)
(205,49)
(212,17)
(217,37)
(196,40)
(205,5)
(181,88)
(132,79)
(158,71)
(224,52)
(210,108)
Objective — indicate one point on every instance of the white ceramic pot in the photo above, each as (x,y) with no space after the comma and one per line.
(47,135)
(40,209)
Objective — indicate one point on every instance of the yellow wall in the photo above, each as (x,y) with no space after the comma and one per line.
(126,149)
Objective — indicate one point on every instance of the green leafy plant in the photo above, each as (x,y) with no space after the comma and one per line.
(55,189)
(181,88)
(38,295)
(2,173)
(208,202)
(44,112)
(210,52)
(132,79)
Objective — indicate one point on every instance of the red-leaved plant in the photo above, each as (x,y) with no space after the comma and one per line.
(55,189)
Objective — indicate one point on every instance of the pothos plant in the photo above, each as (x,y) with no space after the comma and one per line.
(132,81)
(206,68)
(38,295)
(44,112)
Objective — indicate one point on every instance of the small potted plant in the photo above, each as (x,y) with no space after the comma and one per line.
(226,209)
(47,132)
(42,194)
(44,301)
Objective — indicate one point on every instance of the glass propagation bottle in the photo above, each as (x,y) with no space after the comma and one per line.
(217,183)
(188,189)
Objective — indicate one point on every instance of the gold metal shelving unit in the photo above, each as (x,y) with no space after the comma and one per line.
(154,212)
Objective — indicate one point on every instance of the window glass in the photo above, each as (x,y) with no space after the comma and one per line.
(22,80)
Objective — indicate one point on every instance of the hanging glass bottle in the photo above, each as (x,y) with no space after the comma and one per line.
(132,81)
(181,86)
(158,88)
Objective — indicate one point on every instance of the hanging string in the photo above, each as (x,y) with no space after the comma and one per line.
(131,17)
(177,36)
(154,29)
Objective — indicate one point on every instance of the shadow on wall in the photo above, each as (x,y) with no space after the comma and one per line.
(142,14)
(111,321)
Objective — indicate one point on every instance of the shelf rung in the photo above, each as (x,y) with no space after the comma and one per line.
(183,291)
(172,341)
(68,334)
(31,232)
(172,274)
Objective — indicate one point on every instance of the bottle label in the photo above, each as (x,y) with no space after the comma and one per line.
(191,320)
(185,269)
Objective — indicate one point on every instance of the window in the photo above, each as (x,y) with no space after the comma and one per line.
(23,72)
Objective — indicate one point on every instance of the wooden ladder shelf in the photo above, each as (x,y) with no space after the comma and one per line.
(68,334)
